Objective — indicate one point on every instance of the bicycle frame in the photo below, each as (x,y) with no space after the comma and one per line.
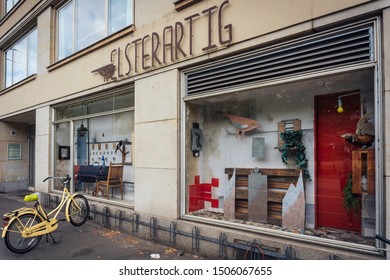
(48,224)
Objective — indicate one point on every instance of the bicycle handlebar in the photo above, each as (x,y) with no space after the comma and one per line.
(65,180)
(47,178)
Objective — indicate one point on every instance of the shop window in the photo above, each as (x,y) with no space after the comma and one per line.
(98,134)
(99,143)
(82,23)
(62,146)
(21,59)
(280,157)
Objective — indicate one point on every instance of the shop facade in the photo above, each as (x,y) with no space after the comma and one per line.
(235,128)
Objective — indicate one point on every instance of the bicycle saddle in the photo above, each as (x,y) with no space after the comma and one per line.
(31,197)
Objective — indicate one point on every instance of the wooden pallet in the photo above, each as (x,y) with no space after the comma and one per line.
(278,182)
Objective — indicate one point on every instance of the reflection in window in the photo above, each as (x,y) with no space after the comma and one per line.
(98,105)
(82,23)
(21,59)
(118,16)
(9,4)
(65,31)
(90,17)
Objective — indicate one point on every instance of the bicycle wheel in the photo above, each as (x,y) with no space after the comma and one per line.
(14,240)
(78,210)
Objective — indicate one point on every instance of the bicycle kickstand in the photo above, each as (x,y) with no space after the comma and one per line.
(47,238)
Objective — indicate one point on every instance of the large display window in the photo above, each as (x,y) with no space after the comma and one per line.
(94,142)
(296,156)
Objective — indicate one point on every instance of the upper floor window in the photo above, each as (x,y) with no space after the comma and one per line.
(9,4)
(21,59)
(83,22)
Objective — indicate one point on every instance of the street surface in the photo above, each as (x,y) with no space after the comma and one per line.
(88,242)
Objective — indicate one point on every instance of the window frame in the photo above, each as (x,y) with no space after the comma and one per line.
(15,3)
(85,116)
(14,153)
(28,62)
(187,180)
(378,108)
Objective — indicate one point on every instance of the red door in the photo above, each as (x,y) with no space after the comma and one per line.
(334,160)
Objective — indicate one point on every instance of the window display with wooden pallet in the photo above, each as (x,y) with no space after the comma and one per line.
(278,182)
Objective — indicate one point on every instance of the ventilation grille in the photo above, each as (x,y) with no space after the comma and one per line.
(316,53)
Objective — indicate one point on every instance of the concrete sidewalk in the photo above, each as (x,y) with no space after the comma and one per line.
(88,242)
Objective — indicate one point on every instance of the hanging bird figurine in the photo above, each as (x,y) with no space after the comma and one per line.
(241,124)
(364,135)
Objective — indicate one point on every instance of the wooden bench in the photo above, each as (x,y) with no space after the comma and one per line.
(278,182)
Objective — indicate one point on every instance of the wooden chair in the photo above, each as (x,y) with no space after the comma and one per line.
(114,180)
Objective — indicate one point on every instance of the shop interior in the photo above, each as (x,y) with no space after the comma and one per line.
(296,156)
(94,141)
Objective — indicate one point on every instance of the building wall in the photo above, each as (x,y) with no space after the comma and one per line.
(156,142)
(76,74)
(13,173)
(13,19)
(42,148)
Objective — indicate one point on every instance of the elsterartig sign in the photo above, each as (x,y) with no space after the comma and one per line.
(173,44)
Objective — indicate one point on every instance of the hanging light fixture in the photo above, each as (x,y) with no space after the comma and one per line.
(340,106)
(82,130)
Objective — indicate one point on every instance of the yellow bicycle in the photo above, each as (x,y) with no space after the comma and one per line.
(24,227)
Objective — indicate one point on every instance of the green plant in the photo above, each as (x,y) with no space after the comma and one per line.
(350,201)
(293,142)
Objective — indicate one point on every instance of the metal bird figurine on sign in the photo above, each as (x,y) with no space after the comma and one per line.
(106,71)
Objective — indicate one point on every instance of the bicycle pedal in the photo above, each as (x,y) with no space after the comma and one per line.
(90,218)
(62,220)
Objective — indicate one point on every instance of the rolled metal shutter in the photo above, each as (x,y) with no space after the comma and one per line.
(317,52)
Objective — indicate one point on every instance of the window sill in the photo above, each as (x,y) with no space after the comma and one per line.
(182,4)
(18,84)
(91,48)
(282,233)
